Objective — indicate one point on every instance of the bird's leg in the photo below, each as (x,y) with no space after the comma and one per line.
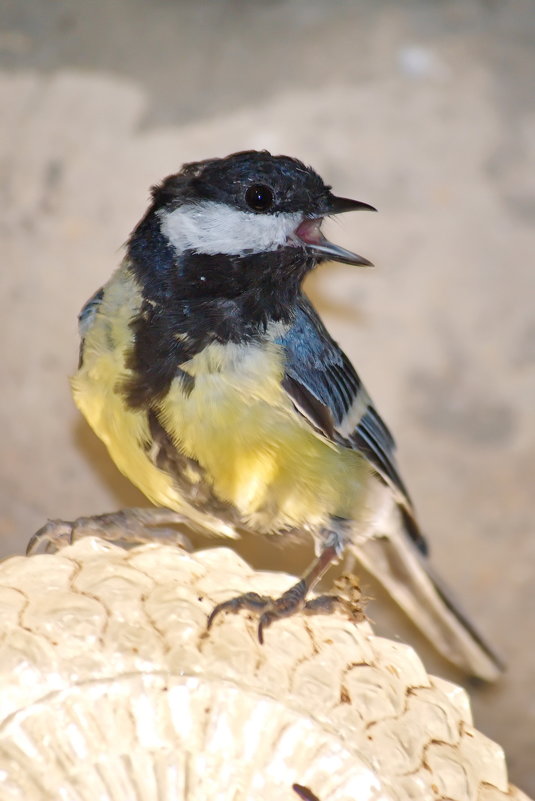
(294,599)
(129,526)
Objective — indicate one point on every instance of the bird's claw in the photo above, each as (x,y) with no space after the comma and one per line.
(128,526)
(291,602)
(55,534)
(270,609)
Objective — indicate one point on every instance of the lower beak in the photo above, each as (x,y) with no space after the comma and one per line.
(309,234)
(335,253)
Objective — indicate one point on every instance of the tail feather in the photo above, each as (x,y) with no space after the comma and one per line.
(409,578)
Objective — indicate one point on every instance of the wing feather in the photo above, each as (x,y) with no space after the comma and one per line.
(326,390)
(85,319)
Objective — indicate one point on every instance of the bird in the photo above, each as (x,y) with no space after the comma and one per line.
(218,391)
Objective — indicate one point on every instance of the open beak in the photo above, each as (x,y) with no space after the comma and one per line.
(310,235)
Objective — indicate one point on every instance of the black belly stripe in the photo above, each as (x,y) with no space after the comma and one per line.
(188,475)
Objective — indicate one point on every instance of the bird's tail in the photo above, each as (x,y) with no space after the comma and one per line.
(406,574)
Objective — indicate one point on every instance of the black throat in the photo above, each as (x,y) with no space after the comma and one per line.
(192,300)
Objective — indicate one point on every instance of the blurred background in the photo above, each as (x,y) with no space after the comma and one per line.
(424,109)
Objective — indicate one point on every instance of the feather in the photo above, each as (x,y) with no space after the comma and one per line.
(326,390)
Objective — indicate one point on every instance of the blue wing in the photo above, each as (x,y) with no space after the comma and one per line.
(325,388)
(85,319)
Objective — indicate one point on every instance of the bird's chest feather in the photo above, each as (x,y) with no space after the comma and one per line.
(234,420)
(259,454)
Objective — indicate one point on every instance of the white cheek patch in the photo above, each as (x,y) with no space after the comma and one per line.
(212,228)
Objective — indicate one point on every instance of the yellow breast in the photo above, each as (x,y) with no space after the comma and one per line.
(261,455)
(95,386)
(237,422)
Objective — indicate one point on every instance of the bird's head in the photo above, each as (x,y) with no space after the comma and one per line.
(221,253)
(250,203)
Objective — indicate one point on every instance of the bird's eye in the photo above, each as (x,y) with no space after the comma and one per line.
(259,197)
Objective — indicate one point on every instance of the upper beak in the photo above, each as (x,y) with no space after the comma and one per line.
(337,205)
(310,235)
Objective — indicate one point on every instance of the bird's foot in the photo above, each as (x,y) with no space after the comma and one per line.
(269,609)
(289,603)
(127,526)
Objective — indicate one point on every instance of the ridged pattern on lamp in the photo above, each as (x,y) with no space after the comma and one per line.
(111,689)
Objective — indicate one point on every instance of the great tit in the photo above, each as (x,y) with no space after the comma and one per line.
(218,391)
